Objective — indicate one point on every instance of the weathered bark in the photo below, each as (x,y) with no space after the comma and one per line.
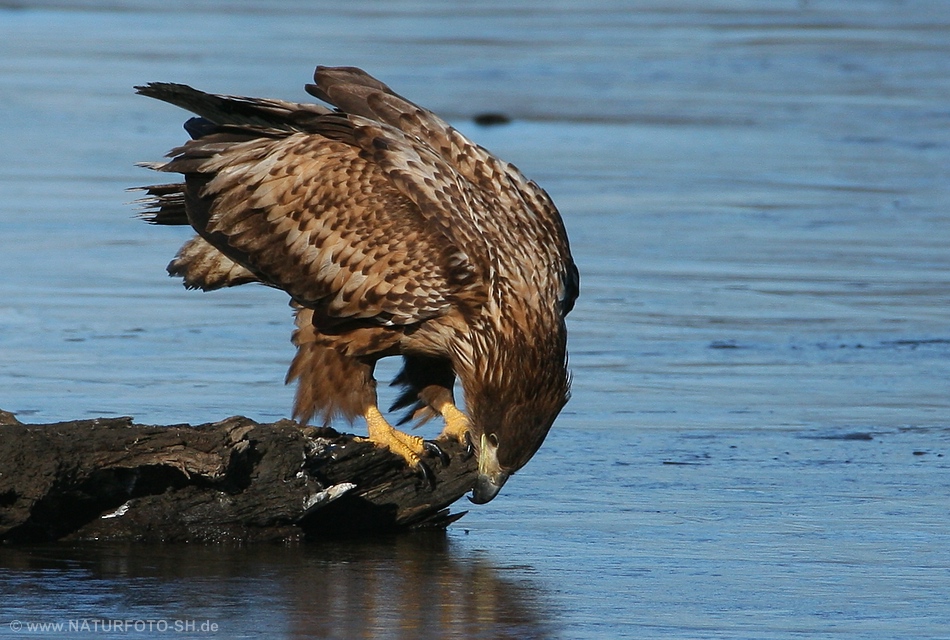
(234,480)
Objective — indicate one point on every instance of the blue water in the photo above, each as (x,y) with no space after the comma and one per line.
(757,197)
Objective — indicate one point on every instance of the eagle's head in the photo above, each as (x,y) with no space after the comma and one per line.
(507,446)
(511,418)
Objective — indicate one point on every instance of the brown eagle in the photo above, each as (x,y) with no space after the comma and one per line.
(393,234)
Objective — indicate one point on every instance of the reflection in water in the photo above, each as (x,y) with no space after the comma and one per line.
(418,586)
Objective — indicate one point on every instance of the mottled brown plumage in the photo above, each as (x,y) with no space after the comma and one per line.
(394,235)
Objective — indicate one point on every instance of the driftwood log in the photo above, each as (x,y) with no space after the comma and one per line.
(234,480)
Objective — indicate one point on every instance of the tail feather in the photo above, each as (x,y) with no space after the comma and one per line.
(163,204)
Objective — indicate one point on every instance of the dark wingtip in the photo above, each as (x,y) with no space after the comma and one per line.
(153,89)
(199,127)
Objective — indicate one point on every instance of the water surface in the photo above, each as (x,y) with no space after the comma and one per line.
(756,194)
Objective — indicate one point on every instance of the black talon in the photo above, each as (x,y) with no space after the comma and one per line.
(435,449)
(426,474)
(469,446)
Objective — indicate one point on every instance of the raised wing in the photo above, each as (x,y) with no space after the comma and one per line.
(498,198)
(236,110)
(380,210)
(309,215)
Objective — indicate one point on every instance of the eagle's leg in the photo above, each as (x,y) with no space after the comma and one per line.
(383,434)
(428,383)
(330,382)
(456,422)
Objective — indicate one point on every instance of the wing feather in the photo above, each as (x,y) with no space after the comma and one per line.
(498,197)
(378,211)
(311,216)
(201,266)
(235,110)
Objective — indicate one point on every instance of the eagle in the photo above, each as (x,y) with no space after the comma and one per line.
(394,235)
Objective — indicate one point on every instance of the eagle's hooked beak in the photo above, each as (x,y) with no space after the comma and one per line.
(491,477)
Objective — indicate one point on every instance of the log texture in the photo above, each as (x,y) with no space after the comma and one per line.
(234,480)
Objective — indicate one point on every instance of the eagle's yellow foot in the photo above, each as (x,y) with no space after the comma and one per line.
(457,426)
(383,434)
(456,422)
